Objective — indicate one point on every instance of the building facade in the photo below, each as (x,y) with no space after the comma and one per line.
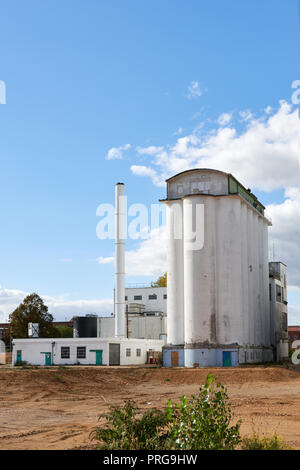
(218,282)
(278,309)
(84,351)
(154,299)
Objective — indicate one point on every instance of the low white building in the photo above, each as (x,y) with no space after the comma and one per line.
(84,351)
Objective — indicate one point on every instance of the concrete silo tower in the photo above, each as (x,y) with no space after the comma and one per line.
(218,294)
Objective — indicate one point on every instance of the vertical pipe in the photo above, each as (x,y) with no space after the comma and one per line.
(120,217)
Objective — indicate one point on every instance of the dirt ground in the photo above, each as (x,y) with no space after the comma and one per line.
(57,408)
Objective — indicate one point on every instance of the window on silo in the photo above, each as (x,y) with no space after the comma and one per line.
(128,352)
(152,297)
(81,352)
(165,296)
(138,297)
(284,321)
(126,298)
(278,293)
(138,352)
(65,352)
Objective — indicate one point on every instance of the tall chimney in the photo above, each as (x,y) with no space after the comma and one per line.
(120,207)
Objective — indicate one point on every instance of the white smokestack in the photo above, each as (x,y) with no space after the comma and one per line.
(120,206)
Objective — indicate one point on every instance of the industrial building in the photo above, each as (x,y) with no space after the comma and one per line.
(139,323)
(119,340)
(224,304)
(278,309)
(154,299)
(218,305)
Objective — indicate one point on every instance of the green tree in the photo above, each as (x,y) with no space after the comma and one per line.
(161,281)
(62,331)
(32,309)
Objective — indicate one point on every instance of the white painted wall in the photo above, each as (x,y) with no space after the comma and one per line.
(32,350)
(159,305)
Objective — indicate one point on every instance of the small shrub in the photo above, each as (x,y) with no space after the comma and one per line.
(255,442)
(125,431)
(203,422)
(21,363)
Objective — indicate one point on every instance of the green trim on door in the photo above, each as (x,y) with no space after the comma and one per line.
(48,361)
(98,356)
(19,356)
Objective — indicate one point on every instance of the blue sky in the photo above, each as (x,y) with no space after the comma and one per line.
(84,77)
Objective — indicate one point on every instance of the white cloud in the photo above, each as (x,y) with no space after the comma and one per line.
(149,258)
(152,150)
(265,155)
(224,119)
(179,131)
(246,115)
(61,307)
(194,90)
(116,153)
(284,235)
(141,170)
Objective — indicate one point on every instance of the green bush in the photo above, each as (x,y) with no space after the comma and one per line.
(21,363)
(125,431)
(203,422)
(255,442)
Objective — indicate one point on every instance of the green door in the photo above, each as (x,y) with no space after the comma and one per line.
(19,356)
(48,359)
(226,359)
(98,356)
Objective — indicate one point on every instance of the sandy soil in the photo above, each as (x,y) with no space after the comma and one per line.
(57,408)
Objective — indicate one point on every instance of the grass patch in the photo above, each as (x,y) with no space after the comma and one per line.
(255,442)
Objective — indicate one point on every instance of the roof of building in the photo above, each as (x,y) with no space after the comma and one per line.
(240,189)
(194,170)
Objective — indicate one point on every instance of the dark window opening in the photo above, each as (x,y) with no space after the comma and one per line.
(65,352)
(81,352)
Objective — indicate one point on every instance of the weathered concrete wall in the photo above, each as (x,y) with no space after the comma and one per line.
(224,285)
